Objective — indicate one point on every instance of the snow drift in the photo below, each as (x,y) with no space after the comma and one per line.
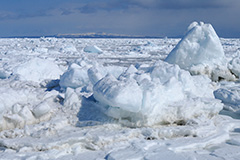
(163,93)
(200,52)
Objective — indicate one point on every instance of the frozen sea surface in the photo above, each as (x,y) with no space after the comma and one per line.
(48,110)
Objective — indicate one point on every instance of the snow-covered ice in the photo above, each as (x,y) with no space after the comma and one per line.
(162,93)
(234,66)
(37,70)
(74,77)
(58,101)
(200,51)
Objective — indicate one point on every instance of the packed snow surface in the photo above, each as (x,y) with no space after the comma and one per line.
(58,101)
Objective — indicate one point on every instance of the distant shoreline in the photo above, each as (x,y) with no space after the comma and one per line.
(102,37)
(89,37)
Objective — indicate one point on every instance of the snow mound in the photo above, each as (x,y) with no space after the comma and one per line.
(200,51)
(162,93)
(92,49)
(37,70)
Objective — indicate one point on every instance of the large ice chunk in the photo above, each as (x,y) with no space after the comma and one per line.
(159,94)
(17,106)
(3,74)
(74,77)
(37,70)
(92,49)
(234,66)
(82,75)
(230,96)
(71,99)
(41,109)
(200,51)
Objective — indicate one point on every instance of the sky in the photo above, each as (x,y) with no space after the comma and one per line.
(132,17)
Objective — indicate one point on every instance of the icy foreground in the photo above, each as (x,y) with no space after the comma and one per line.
(58,101)
(159,94)
(200,51)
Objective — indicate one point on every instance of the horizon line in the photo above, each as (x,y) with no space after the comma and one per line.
(98,35)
